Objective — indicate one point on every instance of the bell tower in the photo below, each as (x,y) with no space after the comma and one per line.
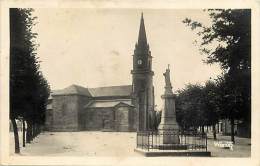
(142,80)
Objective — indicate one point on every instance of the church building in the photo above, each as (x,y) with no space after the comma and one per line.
(114,108)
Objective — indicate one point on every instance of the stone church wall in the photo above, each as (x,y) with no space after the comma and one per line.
(124,119)
(122,123)
(65,116)
(49,119)
(82,101)
(99,119)
(68,114)
(132,119)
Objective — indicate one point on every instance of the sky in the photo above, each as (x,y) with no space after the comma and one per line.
(94,47)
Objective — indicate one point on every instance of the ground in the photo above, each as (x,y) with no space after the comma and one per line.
(242,147)
(109,144)
(81,144)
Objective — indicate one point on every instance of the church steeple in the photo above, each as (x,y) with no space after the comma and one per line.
(142,54)
(142,40)
(143,98)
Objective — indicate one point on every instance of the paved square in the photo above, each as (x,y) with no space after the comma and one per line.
(108,144)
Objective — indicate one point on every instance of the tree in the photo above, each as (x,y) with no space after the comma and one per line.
(28,88)
(210,100)
(19,66)
(228,42)
(230,102)
(190,108)
(197,106)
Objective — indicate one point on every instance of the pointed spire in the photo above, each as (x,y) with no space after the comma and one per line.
(142,34)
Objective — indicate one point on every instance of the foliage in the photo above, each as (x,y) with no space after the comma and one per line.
(189,107)
(234,101)
(227,41)
(230,32)
(210,100)
(23,63)
(29,90)
(198,105)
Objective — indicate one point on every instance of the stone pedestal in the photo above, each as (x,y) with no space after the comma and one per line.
(169,127)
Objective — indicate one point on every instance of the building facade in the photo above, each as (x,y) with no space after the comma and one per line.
(114,108)
(76,108)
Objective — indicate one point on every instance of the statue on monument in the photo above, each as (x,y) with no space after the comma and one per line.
(167,77)
(168,85)
(168,118)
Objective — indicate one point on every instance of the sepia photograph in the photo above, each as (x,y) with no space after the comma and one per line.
(130,82)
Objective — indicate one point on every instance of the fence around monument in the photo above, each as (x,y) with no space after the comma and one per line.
(188,140)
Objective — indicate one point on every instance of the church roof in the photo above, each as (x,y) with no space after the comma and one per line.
(107,103)
(124,90)
(71,90)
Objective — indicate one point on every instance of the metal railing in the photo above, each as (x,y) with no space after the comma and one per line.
(187,140)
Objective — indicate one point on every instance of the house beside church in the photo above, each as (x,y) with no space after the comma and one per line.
(114,108)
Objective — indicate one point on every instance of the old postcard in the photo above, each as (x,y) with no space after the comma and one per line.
(123,83)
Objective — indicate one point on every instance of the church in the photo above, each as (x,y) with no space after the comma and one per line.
(113,108)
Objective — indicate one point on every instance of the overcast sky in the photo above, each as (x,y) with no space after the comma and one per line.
(93,48)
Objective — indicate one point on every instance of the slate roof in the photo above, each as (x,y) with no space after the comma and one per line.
(71,90)
(107,103)
(124,90)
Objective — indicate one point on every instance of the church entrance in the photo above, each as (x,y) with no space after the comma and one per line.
(106,123)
